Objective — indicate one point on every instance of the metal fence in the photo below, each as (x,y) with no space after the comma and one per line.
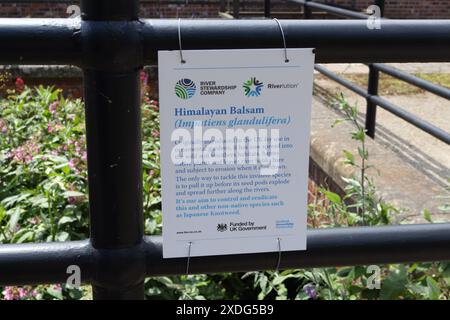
(371,94)
(111,44)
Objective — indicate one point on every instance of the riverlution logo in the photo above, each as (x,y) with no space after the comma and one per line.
(185,89)
(253,87)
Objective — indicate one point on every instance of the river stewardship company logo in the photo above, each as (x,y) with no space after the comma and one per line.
(253,87)
(185,89)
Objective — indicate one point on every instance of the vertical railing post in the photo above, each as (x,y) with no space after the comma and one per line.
(236,7)
(372,90)
(222,6)
(111,65)
(380,4)
(267,8)
(307,13)
(371,112)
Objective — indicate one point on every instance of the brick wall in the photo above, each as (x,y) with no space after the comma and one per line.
(402,9)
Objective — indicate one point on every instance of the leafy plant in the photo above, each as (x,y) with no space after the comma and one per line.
(358,206)
(43,197)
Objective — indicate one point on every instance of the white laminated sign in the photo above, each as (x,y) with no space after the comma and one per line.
(235,128)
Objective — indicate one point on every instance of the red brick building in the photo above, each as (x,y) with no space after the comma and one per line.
(70,79)
(401,9)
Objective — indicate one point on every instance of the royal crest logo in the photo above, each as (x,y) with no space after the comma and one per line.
(253,87)
(222,227)
(185,89)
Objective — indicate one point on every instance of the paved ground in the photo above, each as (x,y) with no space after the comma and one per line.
(429,157)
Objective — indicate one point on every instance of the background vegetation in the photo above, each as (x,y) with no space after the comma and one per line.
(43,197)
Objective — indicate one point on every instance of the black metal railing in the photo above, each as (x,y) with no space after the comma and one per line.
(111,45)
(371,95)
(231,9)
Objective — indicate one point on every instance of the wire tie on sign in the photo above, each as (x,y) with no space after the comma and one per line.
(188,258)
(179,41)
(279,255)
(284,40)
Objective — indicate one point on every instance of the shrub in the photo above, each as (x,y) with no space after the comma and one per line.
(43,197)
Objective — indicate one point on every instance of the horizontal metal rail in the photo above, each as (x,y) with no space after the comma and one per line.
(346,83)
(388,106)
(326,248)
(334,40)
(111,44)
(40,41)
(41,263)
(415,81)
(341,12)
(61,41)
(261,13)
(412,119)
(372,94)
(37,263)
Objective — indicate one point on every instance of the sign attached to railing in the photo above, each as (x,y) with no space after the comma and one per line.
(234,150)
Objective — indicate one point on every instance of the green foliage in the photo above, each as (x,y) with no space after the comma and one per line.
(359,205)
(43,197)
(43,173)
(42,168)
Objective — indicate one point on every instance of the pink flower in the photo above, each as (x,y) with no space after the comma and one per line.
(53,107)
(15,293)
(154,105)
(57,287)
(24,153)
(23,293)
(84,156)
(9,293)
(20,85)
(72,163)
(151,173)
(155,133)
(144,77)
(3,127)
(72,200)
(50,128)
(35,220)
(17,228)
(310,290)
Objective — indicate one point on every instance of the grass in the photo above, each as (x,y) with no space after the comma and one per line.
(391,86)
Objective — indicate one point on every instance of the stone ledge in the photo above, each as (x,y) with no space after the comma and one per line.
(398,182)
